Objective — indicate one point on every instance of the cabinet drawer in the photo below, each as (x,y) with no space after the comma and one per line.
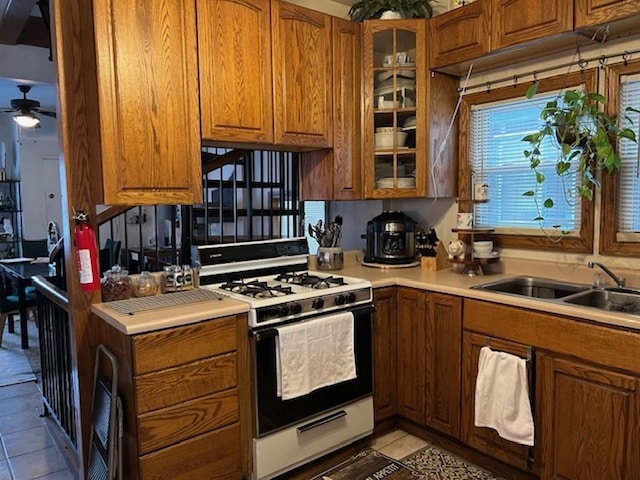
(175,346)
(215,456)
(167,426)
(187,382)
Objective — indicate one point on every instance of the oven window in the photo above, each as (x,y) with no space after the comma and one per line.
(275,413)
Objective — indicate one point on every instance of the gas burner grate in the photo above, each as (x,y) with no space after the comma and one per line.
(308,280)
(256,289)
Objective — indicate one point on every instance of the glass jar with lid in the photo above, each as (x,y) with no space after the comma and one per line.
(145,285)
(116,284)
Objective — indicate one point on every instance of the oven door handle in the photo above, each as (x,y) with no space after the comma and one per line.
(321,421)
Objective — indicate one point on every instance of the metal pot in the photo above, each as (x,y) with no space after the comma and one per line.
(391,239)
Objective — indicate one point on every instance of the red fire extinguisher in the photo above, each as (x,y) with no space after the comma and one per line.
(87,254)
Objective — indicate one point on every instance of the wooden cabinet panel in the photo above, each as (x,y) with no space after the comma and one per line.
(384,353)
(212,456)
(175,346)
(597,12)
(234,53)
(443,364)
(520,21)
(590,415)
(167,426)
(147,76)
(411,354)
(302,64)
(459,34)
(337,174)
(172,386)
(482,438)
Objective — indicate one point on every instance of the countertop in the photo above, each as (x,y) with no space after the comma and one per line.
(442,281)
(151,320)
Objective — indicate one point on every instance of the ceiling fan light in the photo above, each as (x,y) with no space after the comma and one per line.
(27,120)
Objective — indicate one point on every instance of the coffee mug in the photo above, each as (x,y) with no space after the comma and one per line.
(480,191)
(464,220)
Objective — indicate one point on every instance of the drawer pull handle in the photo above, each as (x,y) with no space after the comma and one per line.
(321,421)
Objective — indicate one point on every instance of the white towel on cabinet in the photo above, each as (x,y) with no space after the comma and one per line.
(502,396)
(314,354)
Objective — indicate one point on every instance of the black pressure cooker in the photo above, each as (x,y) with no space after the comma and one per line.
(391,239)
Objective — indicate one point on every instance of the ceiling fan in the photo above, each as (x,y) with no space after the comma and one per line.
(26,109)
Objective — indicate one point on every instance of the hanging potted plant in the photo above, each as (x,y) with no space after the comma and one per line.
(586,139)
(373,9)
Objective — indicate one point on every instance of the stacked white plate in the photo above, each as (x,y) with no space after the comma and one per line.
(402,182)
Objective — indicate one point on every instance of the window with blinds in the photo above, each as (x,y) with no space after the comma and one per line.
(629,174)
(496,156)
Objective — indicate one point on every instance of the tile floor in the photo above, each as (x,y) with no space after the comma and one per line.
(27,450)
(398,444)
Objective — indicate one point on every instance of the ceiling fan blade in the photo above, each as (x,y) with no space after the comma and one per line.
(47,113)
(6,110)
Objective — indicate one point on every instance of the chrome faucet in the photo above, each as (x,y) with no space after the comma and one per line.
(620,281)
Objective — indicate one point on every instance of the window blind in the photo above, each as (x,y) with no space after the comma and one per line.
(496,155)
(629,187)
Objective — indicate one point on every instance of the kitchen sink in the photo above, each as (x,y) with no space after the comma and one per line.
(612,299)
(534,287)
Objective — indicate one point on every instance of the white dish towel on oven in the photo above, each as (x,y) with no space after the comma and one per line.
(314,354)
(502,396)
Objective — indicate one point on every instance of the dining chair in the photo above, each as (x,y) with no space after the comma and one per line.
(109,254)
(10,305)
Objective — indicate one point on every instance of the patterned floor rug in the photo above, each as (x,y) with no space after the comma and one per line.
(433,463)
(369,465)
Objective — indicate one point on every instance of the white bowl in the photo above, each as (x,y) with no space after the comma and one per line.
(483,247)
(385,139)
(386,129)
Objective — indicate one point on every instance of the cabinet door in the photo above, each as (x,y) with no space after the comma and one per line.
(520,21)
(596,12)
(147,74)
(411,354)
(394,100)
(336,174)
(482,438)
(460,34)
(443,365)
(384,353)
(302,64)
(590,415)
(234,53)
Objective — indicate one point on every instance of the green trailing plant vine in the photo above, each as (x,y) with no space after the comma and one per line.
(583,134)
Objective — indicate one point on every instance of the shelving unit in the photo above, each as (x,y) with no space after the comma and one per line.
(473,264)
(10,219)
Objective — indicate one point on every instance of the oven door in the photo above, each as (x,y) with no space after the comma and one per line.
(274,413)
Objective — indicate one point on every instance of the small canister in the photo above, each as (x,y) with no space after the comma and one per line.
(145,285)
(116,284)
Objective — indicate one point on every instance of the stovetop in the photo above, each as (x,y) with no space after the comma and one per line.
(277,287)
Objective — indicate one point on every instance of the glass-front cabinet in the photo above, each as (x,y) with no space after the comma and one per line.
(394,101)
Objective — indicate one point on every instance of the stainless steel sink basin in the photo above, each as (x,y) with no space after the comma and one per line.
(534,287)
(611,299)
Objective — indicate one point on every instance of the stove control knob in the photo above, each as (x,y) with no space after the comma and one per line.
(296,308)
(340,299)
(283,311)
(318,303)
(351,297)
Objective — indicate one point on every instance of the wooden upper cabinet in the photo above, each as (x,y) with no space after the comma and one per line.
(302,86)
(234,52)
(597,12)
(147,78)
(515,22)
(589,421)
(336,174)
(460,34)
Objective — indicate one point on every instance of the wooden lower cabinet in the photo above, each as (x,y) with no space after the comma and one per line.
(589,416)
(411,354)
(384,353)
(482,438)
(186,396)
(443,363)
